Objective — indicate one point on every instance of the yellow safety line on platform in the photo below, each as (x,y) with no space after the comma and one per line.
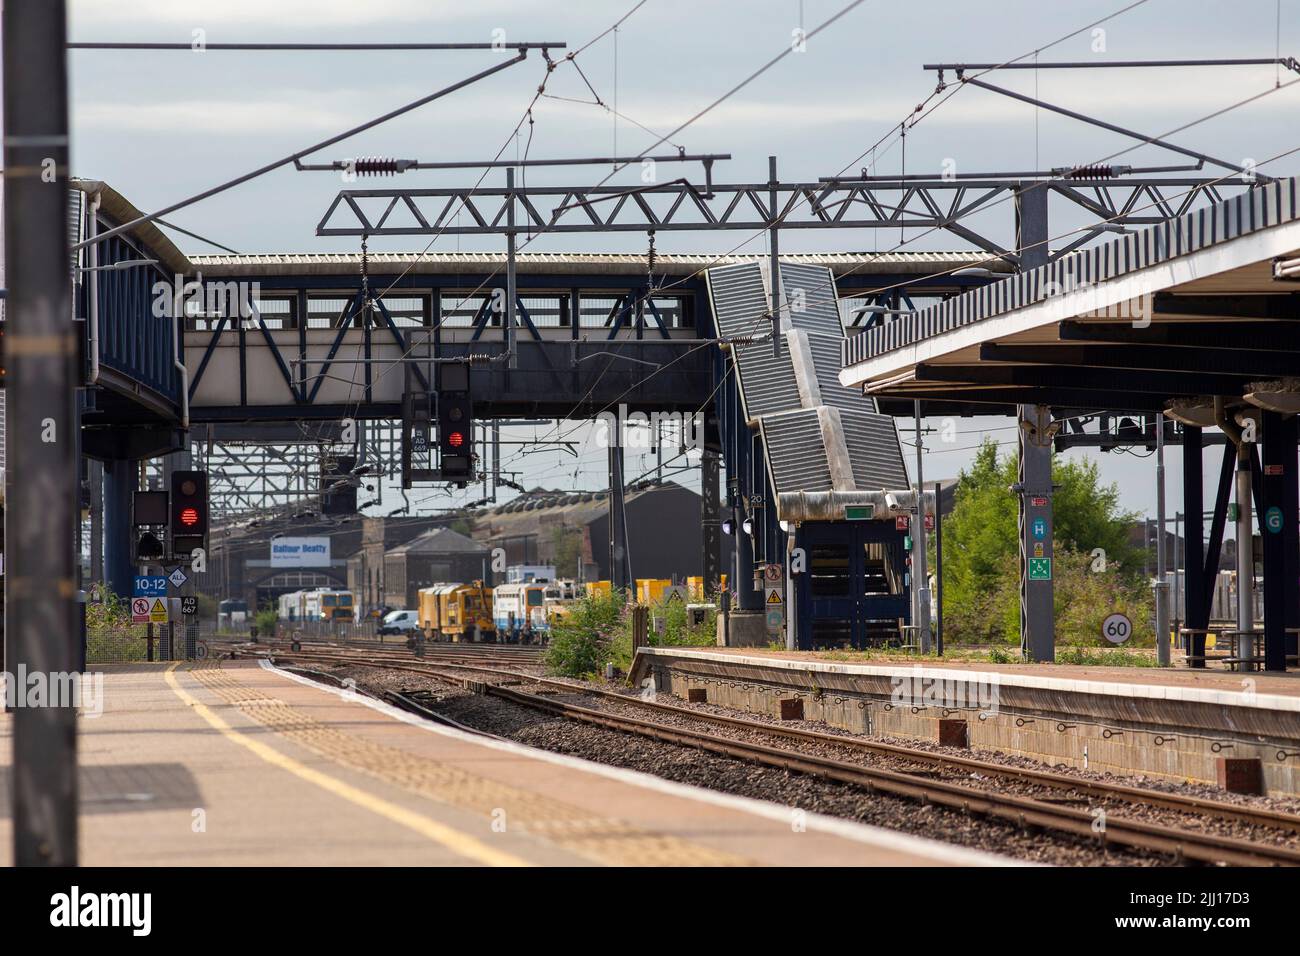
(454,840)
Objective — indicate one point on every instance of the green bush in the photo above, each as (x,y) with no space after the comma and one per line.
(110,635)
(599,631)
(981,567)
(676,631)
(1112,657)
(265,619)
(580,641)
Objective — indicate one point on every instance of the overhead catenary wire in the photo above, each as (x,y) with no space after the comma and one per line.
(915,116)
(922,115)
(292,157)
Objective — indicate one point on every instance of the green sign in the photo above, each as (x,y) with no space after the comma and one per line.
(1273,519)
(1040,569)
(859,512)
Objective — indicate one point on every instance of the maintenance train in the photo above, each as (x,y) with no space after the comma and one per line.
(457,612)
(515,613)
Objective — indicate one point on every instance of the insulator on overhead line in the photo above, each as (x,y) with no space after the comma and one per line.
(380,165)
(1088,172)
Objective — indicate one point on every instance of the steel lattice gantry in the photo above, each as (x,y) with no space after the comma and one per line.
(757,207)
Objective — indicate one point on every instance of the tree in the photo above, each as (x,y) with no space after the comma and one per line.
(980,555)
(566,547)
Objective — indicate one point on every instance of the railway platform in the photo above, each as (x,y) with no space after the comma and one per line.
(239,763)
(1175,723)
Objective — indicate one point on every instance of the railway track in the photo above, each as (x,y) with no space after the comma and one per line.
(470,653)
(1181,844)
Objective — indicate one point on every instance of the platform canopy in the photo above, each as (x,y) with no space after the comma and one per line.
(1165,318)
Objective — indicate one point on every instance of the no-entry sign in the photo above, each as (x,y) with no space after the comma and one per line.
(140,610)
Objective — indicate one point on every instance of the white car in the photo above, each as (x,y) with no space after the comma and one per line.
(400,622)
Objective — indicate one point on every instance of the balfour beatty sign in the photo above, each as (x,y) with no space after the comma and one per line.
(300,553)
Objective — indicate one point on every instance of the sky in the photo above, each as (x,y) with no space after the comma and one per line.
(159,126)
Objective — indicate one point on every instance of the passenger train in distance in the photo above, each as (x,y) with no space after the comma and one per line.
(319,604)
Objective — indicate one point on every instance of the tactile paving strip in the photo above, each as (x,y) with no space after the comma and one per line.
(606,840)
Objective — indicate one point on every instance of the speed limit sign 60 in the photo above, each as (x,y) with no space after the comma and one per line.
(1117,628)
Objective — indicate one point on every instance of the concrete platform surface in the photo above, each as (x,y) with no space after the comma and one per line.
(1257,684)
(242,764)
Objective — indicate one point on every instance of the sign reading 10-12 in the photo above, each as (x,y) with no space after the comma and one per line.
(1117,628)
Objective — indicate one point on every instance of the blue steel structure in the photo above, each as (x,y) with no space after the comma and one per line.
(588,338)
(648,351)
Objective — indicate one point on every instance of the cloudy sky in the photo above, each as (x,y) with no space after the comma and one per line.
(161,125)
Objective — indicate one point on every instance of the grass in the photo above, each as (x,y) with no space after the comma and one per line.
(1070,655)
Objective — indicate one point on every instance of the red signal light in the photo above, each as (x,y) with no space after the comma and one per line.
(455,439)
(189,517)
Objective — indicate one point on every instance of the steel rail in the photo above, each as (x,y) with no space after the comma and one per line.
(1098,789)
(1047,778)
(1183,844)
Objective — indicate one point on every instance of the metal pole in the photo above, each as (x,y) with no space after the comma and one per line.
(1245,562)
(775,259)
(659,452)
(921,581)
(483,445)
(496,458)
(41,477)
(1037,615)
(1196,612)
(1161,580)
(96,522)
(710,524)
(510,271)
(938,572)
(618,576)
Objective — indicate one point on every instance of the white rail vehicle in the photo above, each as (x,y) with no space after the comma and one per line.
(317,604)
(519,612)
(289,606)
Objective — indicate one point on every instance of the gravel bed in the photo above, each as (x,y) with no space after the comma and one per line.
(849,754)
(698,768)
(1166,817)
(1283,804)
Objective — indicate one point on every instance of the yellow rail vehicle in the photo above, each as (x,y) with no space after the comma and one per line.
(457,612)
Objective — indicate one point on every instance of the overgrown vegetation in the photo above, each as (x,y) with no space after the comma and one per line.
(599,631)
(265,619)
(110,635)
(980,557)
(580,641)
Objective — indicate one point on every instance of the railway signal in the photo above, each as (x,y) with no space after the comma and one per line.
(188,512)
(455,423)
